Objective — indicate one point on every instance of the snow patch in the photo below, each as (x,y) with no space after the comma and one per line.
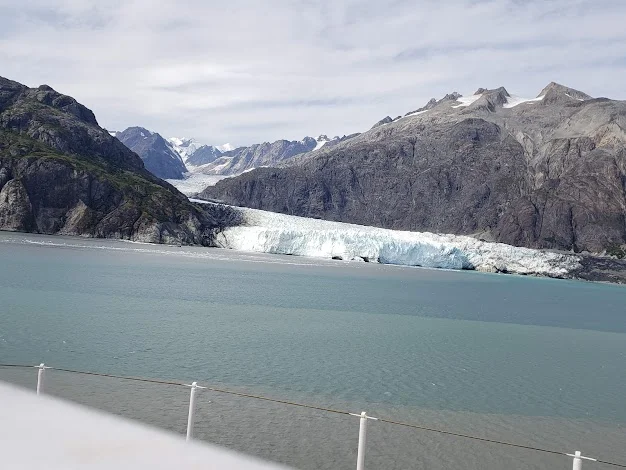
(227,147)
(467,100)
(199,201)
(416,113)
(578,99)
(253,168)
(213,168)
(320,144)
(195,183)
(323,140)
(184,147)
(513,101)
(270,232)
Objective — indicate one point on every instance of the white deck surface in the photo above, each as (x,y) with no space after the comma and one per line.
(38,432)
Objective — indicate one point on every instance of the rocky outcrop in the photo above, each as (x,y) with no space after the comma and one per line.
(555,93)
(382,122)
(158,156)
(547,173)
(15,207)
(60,173)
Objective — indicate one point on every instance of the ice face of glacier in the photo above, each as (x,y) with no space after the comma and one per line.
(270,232)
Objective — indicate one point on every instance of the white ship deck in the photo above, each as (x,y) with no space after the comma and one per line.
(45,432)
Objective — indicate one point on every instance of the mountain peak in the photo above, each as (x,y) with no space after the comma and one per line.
(142,131)
(158,155)
(487,99)
(185,147)
(556,92)
(309,141)
(383,121)
(45,94)
(455,95)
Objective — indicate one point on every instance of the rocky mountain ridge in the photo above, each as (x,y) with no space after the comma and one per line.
(543,172)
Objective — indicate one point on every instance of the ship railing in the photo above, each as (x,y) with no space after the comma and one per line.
(194,387)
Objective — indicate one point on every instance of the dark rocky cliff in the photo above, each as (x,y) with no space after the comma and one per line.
(60,173)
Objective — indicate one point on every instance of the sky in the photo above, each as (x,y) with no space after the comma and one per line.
(248,71)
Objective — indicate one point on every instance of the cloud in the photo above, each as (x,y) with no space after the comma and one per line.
(245,71)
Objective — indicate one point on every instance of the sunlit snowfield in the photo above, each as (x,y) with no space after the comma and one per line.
(534,361)
(195,182)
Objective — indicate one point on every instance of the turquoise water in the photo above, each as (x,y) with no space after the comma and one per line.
(451,347)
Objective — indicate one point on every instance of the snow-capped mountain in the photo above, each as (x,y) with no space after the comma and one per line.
(157,154)
(324,141)
(184,147)
(242,159)
(321,141)
(189,147)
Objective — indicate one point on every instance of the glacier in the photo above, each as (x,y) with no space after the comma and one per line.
(270,232)
(195,182)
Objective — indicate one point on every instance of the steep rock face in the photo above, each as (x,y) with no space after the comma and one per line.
(203,155)
(15,207)
(394,187)
(524,172)
(61,173)
(158,156)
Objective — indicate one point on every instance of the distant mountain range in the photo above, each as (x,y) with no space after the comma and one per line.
(544,172)
(212,161)
(175,157)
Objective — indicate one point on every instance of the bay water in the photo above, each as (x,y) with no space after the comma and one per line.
(538,362)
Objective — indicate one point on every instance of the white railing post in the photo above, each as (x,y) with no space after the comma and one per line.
(40,377)
(578,460)
(192,409)
(360,456)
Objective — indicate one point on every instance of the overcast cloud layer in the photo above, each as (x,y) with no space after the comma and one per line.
(252,71)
